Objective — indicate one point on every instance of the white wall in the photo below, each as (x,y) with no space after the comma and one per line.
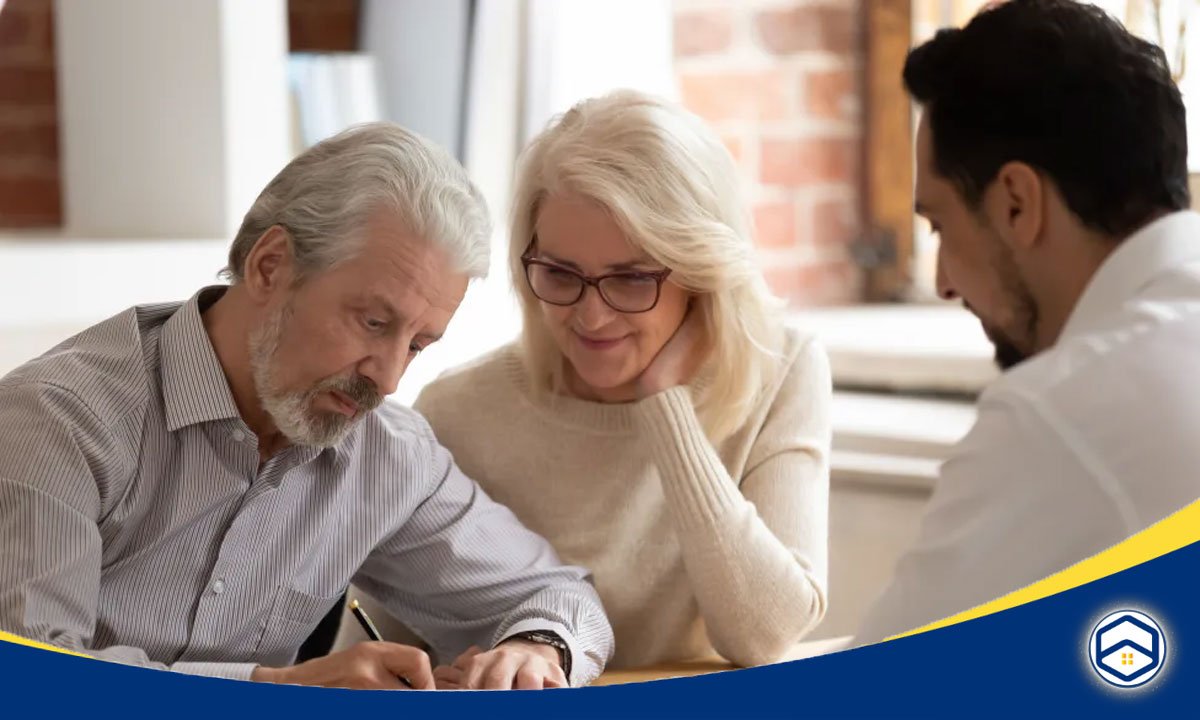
(256,120)
(173,148)
(582,48)
(173,113)
(52,287)
(420,47)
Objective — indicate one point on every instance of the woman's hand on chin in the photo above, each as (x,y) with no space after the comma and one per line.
(678,360)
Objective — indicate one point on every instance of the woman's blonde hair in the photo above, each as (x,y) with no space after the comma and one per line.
(671,186)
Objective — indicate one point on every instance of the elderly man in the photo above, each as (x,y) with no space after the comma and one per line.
(193,486)
(1052,160)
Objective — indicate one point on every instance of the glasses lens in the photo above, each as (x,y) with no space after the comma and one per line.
(630,293)
(554,285)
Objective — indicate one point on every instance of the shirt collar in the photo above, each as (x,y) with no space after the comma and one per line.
(194,386)
(1161,246)
(195,389)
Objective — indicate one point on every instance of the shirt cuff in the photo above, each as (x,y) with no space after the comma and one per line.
(229,671)
(578,659)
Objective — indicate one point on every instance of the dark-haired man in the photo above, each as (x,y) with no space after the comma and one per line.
(1052,162)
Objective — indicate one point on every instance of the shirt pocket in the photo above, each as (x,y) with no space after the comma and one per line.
(294,616)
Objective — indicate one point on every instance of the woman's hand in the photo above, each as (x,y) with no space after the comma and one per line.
(678,360)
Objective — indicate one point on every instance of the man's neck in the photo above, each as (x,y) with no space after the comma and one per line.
(226,322)
(1066,280)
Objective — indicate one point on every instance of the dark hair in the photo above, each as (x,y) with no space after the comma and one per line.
(1063,87)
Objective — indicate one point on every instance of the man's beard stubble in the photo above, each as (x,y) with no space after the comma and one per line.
(1023,306)
(293,411)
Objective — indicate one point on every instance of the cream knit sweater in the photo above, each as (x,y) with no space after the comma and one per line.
(693,548)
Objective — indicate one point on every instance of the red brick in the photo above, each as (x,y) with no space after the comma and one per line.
(30,202)
(29,7)
(45,34)
(808,28)
(16,30)
(29,141)
(831,95)
(753,96)
(799,162)
(775,225)
(27,85)
(323,25)
(831,283)
(26,34)
(703,32)
(784,280)
(835,223)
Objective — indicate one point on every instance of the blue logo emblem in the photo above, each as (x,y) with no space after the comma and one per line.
(1127,648)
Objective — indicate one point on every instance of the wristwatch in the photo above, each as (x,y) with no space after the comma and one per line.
(547,637)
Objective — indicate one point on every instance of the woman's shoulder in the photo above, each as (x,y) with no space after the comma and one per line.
(795,408)
(802,374)
(490,374)
(802,352)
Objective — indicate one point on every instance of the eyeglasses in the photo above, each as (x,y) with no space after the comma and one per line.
(626,292)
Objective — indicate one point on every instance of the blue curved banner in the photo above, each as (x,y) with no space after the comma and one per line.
(1035,659)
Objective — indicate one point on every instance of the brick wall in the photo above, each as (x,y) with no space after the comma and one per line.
(30,185)
(779,81)
(29,168)
(323,25)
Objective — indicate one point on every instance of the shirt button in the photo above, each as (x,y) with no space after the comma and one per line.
(238,435)
(218,587)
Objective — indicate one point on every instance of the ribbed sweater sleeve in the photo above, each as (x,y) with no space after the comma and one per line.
(754,547)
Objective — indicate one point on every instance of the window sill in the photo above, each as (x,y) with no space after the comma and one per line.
(905,379)
(912,349)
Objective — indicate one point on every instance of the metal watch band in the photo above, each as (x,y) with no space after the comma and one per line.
(547,637)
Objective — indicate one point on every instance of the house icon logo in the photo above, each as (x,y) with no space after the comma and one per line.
(1127,648)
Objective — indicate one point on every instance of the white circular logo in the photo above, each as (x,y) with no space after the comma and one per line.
(1127,648)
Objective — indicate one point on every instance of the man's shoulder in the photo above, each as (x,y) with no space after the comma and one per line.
(1137,343)
(396,421)
(393,430)
(394,449)
(1118,409)
(103,367)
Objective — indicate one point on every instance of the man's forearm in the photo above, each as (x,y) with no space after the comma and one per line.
(135,656)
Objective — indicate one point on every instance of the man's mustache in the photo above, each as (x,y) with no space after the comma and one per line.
(356,387)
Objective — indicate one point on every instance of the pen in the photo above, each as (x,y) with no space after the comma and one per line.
(367,625)
(370,629)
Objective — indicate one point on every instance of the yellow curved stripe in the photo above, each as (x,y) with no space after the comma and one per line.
(18,640)
(1167,535)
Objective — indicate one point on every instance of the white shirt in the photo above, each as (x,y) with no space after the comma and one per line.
(1074,449)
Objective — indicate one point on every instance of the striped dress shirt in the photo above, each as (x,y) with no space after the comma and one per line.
(136,524)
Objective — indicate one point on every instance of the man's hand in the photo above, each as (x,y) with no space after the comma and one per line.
(366,666)
(453,676)
(514,664)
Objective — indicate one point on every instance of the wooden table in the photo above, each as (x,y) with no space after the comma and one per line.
(704,666)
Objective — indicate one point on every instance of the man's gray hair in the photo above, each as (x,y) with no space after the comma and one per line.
(325,196)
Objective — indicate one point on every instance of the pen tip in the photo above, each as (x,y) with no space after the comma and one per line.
(354,604)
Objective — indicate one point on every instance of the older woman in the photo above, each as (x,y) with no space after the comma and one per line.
(656,421)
